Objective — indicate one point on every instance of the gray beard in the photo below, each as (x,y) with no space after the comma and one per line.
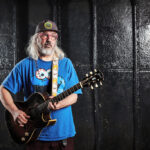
(46,51)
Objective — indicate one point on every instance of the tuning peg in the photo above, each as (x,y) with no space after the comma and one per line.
(101,83)
(95,70)
(96,85)
(91,72)
(86,75)
(92,87)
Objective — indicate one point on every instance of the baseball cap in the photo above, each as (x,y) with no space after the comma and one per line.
(46,25)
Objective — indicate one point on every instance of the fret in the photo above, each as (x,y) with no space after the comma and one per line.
(54,100)
(65,94)
(79,86)
(50,100)
(75,87)
(69,91)
(60,96)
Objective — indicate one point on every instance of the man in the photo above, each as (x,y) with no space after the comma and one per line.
(33,74)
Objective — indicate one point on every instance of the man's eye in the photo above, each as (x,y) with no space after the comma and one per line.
(44,36)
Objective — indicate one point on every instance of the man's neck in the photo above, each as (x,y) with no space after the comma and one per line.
(46,58)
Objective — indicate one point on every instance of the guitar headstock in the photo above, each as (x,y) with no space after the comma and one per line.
(93,79)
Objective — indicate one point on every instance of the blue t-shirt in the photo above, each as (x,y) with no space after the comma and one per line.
(35,76)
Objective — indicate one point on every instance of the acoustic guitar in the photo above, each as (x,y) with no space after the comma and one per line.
(36,107)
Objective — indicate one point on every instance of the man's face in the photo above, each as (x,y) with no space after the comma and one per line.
(47,41)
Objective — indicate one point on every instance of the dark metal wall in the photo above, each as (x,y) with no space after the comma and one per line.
(113,35)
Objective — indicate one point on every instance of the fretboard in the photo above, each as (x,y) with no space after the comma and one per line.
(66,93)
(59,97)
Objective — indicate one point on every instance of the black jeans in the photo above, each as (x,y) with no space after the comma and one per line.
(51,145)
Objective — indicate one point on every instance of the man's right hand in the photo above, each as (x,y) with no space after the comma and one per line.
(20,117)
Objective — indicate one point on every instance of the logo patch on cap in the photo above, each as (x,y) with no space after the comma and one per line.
(48,25)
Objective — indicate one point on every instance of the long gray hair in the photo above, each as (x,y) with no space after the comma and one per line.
(32,49)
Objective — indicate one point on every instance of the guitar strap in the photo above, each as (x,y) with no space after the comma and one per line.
(54,76)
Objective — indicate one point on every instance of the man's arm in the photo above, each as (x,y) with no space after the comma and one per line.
(69,100)
(8,102)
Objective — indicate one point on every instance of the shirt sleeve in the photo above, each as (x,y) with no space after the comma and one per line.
(13,82)
(72,77)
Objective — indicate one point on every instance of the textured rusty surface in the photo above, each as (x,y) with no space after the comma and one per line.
(112,35)
(143,20)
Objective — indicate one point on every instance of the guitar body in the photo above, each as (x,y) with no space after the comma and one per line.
(37,121)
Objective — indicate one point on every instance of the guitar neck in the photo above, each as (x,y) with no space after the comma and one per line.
(43,107)
(66,93)
(90,80)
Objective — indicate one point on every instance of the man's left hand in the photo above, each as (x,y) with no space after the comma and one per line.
(53,106)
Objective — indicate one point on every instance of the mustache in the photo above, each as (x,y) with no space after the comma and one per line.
(47,43)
